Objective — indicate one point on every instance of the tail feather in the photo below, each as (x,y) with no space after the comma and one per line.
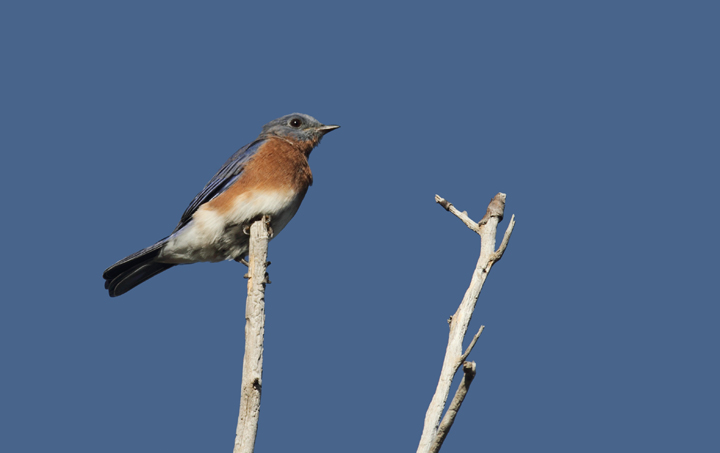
(129,272)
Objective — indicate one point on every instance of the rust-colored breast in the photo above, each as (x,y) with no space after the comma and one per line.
(276,167)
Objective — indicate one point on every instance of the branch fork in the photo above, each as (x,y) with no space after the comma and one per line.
(435,431)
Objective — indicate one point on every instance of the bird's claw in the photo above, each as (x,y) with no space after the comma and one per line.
(265,218)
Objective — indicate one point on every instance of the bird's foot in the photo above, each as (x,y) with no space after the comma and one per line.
(265,218)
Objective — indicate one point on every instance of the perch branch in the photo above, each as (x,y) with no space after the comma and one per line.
(254,336)
(454,356)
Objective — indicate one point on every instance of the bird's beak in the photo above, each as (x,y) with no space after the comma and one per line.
(325,129)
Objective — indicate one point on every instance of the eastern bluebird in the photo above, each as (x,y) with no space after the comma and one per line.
(269,176)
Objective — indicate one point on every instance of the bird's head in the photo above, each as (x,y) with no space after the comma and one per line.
(302,130)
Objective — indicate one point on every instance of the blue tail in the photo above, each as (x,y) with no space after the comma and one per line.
(129,272)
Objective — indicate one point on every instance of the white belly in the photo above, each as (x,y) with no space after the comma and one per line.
(217,236)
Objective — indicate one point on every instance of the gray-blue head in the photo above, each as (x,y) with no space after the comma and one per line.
(301,129)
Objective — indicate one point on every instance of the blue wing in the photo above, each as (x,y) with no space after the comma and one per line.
(228,173)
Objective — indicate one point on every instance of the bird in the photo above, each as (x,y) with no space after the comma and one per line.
(269,176)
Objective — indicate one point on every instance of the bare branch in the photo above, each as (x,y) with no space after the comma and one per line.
(460,215)
(449,418)
(454,356)
(254,338)
(503,245)
(472,344)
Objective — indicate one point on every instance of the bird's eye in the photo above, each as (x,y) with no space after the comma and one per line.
(295,122)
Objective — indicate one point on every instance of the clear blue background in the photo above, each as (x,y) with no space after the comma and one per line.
(598,119)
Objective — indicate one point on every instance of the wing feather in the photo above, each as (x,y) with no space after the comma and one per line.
(228,173)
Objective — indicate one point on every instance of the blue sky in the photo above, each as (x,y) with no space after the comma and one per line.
(599,120)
